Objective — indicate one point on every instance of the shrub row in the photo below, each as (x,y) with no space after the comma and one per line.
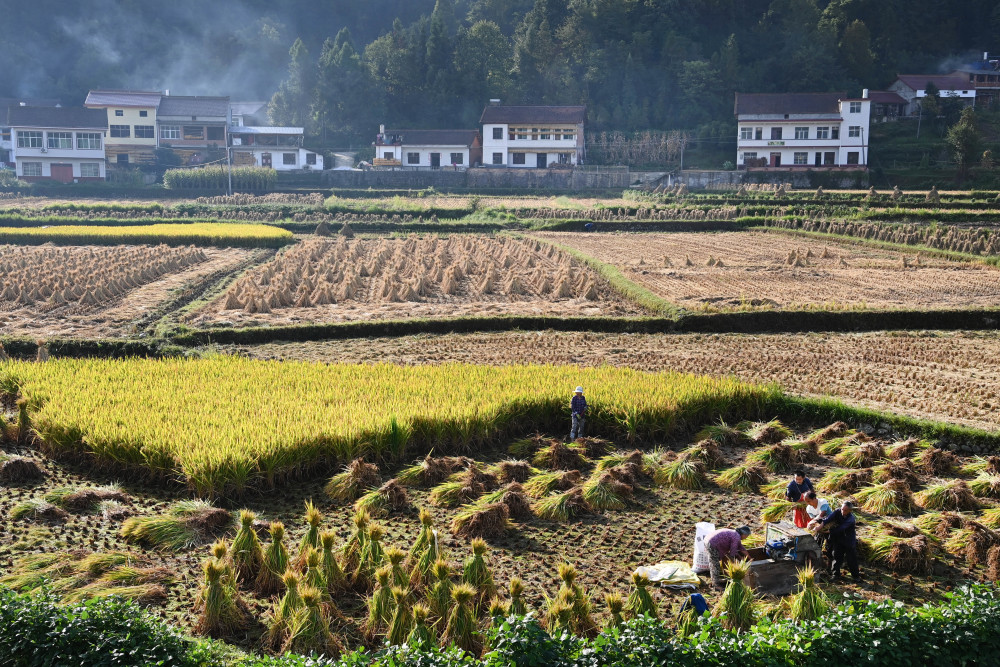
(253,179)
(962,630)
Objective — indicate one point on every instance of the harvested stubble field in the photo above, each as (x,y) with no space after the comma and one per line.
(758,270)
(337,279)
(225,425)
(938,376)
(656,523)
(96,291)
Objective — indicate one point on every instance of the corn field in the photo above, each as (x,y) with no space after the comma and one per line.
(254,179)
(226,424)
(203,234)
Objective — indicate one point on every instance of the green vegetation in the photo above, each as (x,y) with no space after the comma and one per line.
(196,233)
(244,179)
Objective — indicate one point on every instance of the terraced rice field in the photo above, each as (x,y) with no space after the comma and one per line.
(95,290)
(948,376)
(759,270)
(323,280)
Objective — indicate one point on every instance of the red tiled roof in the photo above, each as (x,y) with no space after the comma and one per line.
(885,97)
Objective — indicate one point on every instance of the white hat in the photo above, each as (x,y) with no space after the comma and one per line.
(578,390)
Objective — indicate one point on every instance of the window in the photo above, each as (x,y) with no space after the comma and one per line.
(122,158)
(170,132)
(143,114)
(758,133)
(194,132)
(565,158)
(829,158)
(854,131)
(5,133)
(522,133)
(119,112)
(90,170)
(775,133)
(746,133)
(121,131)
(835,133)
(60,140)
(801,158)
(534,133)
(802,133)
(31,168)
(852,157)
(288,158)
(822,132)
(498,158)
(569,134)
(517,158)
(387,155)
(145,132)
(88,141)
(498,133)
(29,140)
(310,158)
(413,158)
(749,155)
(545,136)
(855,107)
(457,158)
(216,134)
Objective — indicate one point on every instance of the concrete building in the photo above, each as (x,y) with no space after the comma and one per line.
(6,145)
(58,143)
(533,137)
(131,124)
(195,127)
(802,130)
(427,149)
(913,89)
(278,147)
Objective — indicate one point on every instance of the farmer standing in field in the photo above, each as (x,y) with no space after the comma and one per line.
(578,416)
(798,485)
(843,540)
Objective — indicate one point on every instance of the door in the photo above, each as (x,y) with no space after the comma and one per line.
(542,160)
(819,159)
(775,159)
(265,159)
(62,173)
(435,160)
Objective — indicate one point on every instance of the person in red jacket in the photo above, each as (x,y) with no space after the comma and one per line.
(725,545)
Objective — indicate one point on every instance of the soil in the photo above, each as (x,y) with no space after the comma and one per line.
(938,375)
(112,318)
(756,274)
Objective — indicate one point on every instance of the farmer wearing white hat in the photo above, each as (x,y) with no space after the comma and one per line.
(578,408)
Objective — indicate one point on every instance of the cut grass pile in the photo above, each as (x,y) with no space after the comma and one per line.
(228,424)
(186,524)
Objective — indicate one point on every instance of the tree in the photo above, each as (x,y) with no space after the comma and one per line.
(344,101)
(964,141)
(291,105)
(856,50)
(483,64)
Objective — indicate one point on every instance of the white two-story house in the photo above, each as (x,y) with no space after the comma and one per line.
(280,148)
(533,137)
(58,143)
(802,130)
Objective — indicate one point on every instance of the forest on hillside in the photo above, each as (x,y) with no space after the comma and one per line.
(340,67)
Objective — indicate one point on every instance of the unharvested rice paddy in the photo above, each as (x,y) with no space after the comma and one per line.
(359,279)
(95,290)
(198,233)
(226,424)
(760,270)
(942,376)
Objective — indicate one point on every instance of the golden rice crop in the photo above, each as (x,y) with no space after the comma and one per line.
(196,233)
(225,424)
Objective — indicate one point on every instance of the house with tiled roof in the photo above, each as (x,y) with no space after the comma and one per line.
(195,127)
(534,137)
(802,130)
(6,159)
(58,143)
(427,149)
(131,124)
(913,89)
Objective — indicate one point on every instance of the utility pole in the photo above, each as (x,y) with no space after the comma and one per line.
(229,161)
(920,114)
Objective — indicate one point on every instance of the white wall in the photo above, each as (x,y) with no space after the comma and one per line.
(277,161)
(531,146)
